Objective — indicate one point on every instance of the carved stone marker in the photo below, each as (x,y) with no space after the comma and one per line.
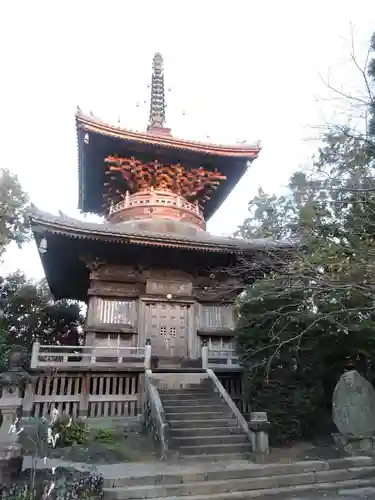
(353,406)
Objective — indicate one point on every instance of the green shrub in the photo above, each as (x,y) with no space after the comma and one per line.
(106,436)
(70,431)
(68,484)
(293,401)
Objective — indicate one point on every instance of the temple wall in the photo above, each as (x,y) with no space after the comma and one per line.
(171,308)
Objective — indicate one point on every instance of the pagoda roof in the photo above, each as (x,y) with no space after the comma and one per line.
(68,239)
(149,232)
(95,124)
(98,139)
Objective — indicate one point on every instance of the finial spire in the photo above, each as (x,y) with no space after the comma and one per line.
(157,103)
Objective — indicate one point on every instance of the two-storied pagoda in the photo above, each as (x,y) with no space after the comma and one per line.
(148,270)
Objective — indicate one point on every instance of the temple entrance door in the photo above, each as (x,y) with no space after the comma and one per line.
(167,326)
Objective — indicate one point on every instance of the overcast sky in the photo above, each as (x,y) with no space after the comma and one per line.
(238,70)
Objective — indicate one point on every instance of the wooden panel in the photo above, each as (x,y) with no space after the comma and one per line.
(220,316)
(105,288)
(163,287)
(167,325)
(110,342)
(113,395)
(234,386)
(56,391)
(219,342)
(112,311)
(108,395)
(116,273)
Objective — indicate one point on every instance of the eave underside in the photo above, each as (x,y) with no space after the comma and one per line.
(70,241)
(68,276)
(92,167)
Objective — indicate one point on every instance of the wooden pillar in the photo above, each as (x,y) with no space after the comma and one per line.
(148,351)
(84,397)
(35,355)
(204,356)
(195,341)
(28,401)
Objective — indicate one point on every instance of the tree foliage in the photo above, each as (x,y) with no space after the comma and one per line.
(27,309)
(303,324)
(13,206)
(30,313)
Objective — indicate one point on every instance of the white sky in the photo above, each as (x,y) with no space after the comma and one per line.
(238,70)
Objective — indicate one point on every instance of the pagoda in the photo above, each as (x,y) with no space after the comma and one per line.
(149,272)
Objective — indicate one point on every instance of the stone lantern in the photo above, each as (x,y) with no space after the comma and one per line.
(12,382)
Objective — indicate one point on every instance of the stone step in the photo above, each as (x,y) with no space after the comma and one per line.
(358,488)
(212,449)
(220,421)
(258,482)
(187,397)
(216,457)
(209,440)
(189,472)
(206,431)
(210,415)
(173,393)
(191,401)
(207,408)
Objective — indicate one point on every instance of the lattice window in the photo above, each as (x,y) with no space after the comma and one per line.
(163,330)
(172,332)
(116,311)
(214,316)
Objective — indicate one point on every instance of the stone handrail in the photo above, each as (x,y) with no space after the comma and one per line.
(220,389)
(155,419)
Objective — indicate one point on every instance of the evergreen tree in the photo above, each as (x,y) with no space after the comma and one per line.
(13,206)
(301,325)
(27,309)
(30,313)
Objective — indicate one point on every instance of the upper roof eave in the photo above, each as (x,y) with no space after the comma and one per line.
(107,232)
(95,125)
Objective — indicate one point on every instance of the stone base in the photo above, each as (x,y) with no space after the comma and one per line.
(11,460)
(354,445)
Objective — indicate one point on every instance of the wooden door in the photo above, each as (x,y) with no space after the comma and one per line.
(167,326)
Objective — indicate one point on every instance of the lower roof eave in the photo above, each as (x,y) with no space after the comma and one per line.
(141,240)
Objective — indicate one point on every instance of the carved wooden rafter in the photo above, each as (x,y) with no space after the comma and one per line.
(93,264)
(130,174)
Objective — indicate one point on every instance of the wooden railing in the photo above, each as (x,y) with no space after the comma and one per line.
(81,356)
(94,395)
(154,417)
(229,356)
(218,357)
(164,198)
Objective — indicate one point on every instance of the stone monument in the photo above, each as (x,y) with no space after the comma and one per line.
(353,412)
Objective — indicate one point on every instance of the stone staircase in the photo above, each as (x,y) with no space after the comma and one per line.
(239,480)
(202,425)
